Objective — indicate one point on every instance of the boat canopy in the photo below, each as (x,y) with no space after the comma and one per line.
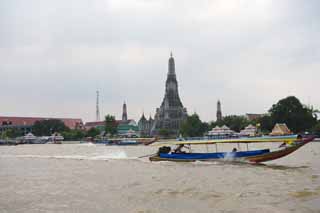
(263,139)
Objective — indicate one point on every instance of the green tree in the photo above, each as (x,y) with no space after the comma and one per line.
(290,111)
(11,133)
(316,128)
(193,127)
(234,122)
(73,134)
(165,133)
(205,127)
(110,125)
(93,132)
(47,127)
(266,123)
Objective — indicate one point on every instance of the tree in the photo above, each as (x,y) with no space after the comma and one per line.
(11,133)
(73,134)
(110,125)
(193,127)
(234,122)
(290,111)
(316,128)
(47,127)
(205,127)
(266,123)
(164,133)
(93,132)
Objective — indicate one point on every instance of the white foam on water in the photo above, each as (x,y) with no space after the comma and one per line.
(80,157)
(87,144)
(115,154)
(212,162)
(229,156)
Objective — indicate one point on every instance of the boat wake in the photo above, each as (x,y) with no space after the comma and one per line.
(116,154)
(121,155)
(86,144)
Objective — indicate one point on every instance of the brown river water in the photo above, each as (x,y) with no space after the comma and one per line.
(97,178)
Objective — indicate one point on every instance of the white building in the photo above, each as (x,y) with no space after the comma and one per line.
(224,130)
(250,130)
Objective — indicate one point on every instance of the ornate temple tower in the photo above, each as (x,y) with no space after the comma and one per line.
(171,113)
(145,125)
(124,112)
(219,113)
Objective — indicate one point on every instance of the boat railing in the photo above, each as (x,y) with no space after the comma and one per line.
(217,137)
(212,137)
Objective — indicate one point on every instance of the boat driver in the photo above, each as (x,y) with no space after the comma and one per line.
(179,149)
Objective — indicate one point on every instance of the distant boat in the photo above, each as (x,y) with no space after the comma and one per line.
(130,141)
(56,138)
(29,138)
(290,144)
(101,142)
(8,142)
(123,142)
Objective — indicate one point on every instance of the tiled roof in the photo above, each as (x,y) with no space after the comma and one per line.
(94,123)
(124,122)
(252,116)
(280,129)
(72,123)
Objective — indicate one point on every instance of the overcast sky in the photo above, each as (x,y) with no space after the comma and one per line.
(55,54)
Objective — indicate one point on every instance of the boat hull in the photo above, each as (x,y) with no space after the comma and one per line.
(279,153)
(256,156)
(123,143)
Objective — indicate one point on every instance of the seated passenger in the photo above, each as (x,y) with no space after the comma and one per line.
(179,149)
(234,150)
(283,145)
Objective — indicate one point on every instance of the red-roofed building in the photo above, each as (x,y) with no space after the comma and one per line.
(26,123)
(94,124)
(251,116)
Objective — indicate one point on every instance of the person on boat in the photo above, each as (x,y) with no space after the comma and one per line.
(179,149)
(283,145)
(291,143)
(234,150)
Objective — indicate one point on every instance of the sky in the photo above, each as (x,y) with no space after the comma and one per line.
(55,55)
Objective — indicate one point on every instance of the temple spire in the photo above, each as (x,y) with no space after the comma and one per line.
(171,66)
(124,112)
(219,112)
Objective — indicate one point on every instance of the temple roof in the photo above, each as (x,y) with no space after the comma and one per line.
(143,118)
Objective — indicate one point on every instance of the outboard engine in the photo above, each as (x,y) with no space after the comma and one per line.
(164,150)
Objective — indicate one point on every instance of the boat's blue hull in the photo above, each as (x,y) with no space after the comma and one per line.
(123,143)
(216,155)
(128,143)
(102,142)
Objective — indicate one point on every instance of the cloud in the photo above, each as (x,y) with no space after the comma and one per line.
(54,55)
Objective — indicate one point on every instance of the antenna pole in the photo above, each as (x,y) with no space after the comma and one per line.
(97,108)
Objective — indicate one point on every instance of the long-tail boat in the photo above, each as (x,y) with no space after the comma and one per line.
(289,144)
(129,141)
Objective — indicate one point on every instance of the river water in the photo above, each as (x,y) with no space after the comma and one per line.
(97,178)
